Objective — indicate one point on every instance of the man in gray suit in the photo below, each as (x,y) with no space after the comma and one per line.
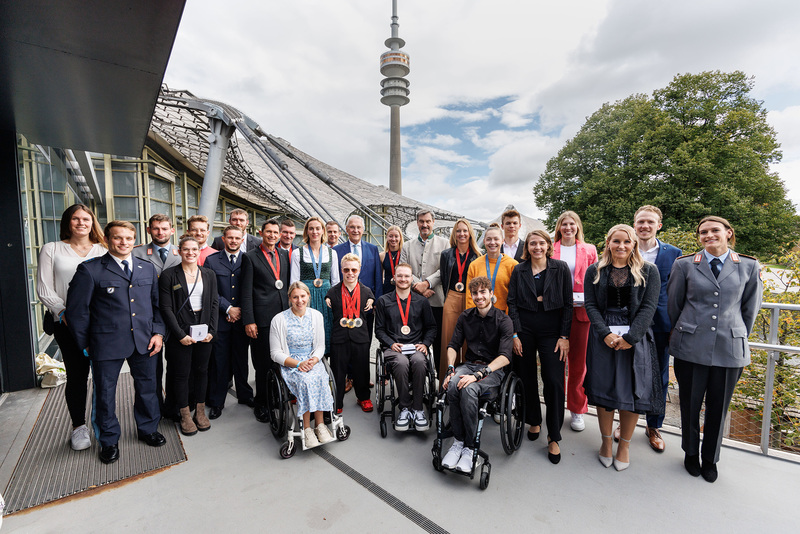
(423,255)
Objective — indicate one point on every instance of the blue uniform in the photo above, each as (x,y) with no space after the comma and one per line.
(115,316)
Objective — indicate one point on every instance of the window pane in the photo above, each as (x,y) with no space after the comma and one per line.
(125,183)
(46,205)
(178,193)
(44,176)
(160,190)
(126,209)
(160,207)
(191,196)
(58,204)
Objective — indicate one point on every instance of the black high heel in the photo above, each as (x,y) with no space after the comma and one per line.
(554,458)
(533,436)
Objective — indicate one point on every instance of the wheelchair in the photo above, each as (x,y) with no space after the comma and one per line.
(386,401)
(285,422)
(509,403)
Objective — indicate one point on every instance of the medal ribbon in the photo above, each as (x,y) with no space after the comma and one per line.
(275,270)
(462,265)
(317,265)
(496,267)
(351,305)
(393,261)
(403,318)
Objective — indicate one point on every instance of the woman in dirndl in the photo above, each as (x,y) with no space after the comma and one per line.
(316,265)
(622,369)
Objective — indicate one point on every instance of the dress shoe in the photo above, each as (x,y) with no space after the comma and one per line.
(553,457)
(348,385)
(156,439)
(109,454)
(692,464)
(262,414)
(709,471)
(619,465)
(656,441)
(248,402)
(214,412)
(605,460)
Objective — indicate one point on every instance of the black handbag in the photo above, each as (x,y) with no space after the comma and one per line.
(48,323)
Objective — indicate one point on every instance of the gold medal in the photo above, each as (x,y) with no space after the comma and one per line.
(405,330)
(318,282)
(350,323)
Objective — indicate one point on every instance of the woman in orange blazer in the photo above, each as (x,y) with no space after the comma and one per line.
(570,247)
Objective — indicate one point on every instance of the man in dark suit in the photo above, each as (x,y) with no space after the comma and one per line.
(240,219)
(646,223)
(265,281)
(112,311)
(229,358)
(163,255)
(512,244)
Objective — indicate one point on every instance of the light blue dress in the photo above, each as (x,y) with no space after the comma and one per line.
(311,389)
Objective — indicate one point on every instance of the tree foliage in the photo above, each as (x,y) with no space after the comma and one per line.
(698,147)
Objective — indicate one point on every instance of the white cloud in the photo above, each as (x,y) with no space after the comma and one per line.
(437,140)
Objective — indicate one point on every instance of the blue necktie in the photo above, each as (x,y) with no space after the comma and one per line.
(716,267)
(127,269)
(355,251)
(233,260)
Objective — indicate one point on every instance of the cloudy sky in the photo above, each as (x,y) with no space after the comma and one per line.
(497,87)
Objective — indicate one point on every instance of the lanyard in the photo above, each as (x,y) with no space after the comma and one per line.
(403,318)
(276,269)
(351,305)
(462,265)
(393,261)
(493,277)
(317,265)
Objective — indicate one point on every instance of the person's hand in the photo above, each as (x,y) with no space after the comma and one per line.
(422,348)
(397,347)
(466,380)
(208,338)
(155,343)
(235,314)
(187,340)
(63,320)
(251,330)
(307,365)
(427,293)
(368,305)
(622,344)
(562,346)
(611,340)
(328,303)
(517,347)
(421,287)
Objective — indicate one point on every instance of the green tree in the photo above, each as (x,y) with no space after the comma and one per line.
(700,146)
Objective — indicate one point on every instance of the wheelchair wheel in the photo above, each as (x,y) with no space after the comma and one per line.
(277,404)
(331,380)
(429,396)
(287,451)
(384,430)
(484,481)
(512,413)
(380,376)
(343,433)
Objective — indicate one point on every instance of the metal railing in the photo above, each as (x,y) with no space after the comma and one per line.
(773,352)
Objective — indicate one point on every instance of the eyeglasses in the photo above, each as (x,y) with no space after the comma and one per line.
(349,270)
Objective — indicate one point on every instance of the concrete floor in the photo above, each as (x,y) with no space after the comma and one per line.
(235,479)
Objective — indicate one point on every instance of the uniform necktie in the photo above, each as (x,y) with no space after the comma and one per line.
(233,259)
(163,253)
(716,267)
(127,269)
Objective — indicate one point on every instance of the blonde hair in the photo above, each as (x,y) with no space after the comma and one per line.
(351,257)
(635,260)
(473,245)
(574,216)
(305,228)
(298,285)
(386,241)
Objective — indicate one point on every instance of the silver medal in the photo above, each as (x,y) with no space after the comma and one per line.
(279,284)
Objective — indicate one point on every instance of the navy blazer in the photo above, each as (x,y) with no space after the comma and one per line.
(667,254)
(370,265)
(228,285)
(111,315)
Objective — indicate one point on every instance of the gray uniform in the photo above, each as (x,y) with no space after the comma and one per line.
(148,253)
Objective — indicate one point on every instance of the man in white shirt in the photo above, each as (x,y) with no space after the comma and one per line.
(512,245)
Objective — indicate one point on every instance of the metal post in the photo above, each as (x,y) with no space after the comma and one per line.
(395,178)
(769,382)
(218,141)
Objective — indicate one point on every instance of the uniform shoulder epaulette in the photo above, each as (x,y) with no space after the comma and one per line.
(745,255)
(139,245)
(685,256)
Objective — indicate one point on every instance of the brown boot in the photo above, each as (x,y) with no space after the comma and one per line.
(200,418)
(188,427)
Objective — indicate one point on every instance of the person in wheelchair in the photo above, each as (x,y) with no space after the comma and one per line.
(297,343)
(488,333)
(405,328)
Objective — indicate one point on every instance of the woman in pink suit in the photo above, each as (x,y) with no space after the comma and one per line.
(570,247)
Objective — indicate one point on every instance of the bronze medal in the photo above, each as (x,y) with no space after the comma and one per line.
(405,330)
(392,280)
(318,282)
(459,287)
(343,322)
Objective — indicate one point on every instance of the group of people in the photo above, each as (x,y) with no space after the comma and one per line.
(603,328)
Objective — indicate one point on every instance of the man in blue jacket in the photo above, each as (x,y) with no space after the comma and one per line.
(370,260)
(112,311)
(646,223)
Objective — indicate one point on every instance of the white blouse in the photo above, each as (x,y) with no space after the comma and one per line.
(568,255)
(325,251)
(196,298)
(58,262)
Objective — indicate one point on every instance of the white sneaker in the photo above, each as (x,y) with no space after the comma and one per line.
(80,438)
(401,425)
(453,455)
(420,421)
(577,423)
(465,463)
(323,434)
(311,438)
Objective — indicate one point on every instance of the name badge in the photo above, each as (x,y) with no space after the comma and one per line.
(176,287)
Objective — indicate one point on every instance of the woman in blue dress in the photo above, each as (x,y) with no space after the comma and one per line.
(390,256)
(297,344)
(316,265)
